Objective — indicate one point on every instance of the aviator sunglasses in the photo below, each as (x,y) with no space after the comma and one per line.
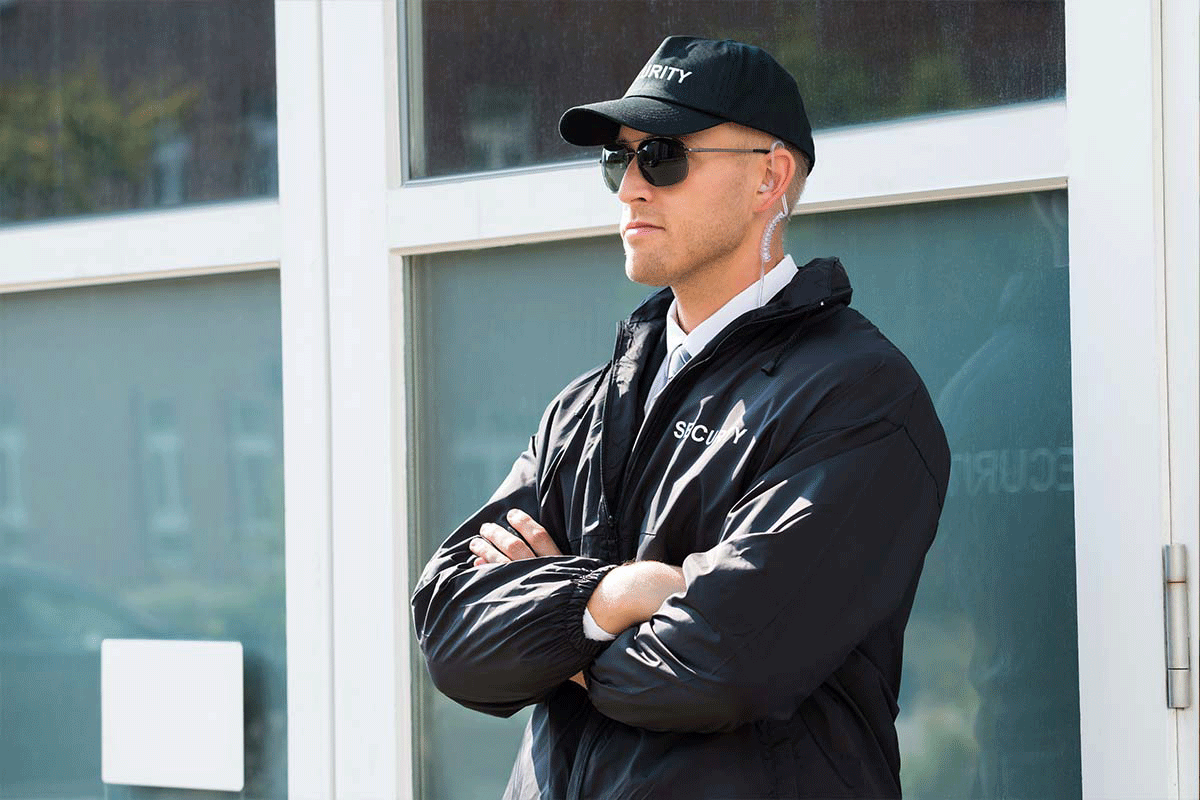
(662,161)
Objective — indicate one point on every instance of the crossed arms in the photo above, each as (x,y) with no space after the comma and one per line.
(823,548)
(627,595)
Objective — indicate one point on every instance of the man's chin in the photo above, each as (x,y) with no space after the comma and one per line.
(638,271)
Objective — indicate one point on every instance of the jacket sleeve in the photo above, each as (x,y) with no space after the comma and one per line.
(823,548)
(502,636)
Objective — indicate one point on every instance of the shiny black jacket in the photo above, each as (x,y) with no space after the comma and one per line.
(795,469)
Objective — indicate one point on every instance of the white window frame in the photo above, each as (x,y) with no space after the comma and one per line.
(1180,52)
(911,161)
(345,223)
(1133,102)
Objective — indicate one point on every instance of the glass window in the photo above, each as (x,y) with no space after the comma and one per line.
(467,447)
(490,78)
(975,292)
(140,497)
(127,104)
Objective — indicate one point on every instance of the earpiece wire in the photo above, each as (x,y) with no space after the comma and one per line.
(764,251)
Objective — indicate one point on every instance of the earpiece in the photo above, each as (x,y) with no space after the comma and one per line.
(770,183)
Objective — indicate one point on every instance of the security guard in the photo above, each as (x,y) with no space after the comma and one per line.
(700,570)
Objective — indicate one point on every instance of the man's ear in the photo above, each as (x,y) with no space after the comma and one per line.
(777,177)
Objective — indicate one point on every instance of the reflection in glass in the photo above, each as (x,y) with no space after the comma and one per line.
(488,79)
(975,293)
(13,517)
(148,479)
(466,351)
(128,104)
(1012,482)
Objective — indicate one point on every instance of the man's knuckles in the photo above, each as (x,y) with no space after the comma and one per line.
(484,550)
(537,536)
(508,543)
(496,543)
(524,523)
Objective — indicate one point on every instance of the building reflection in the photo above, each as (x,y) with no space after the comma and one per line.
(141,482)
(1007,539)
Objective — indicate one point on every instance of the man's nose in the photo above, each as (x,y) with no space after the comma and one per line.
(634,185)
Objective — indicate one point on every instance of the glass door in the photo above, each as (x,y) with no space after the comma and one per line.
(975,292)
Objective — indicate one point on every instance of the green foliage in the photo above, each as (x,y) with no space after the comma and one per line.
(252,611)
(841,80)
(936,83)
(847,86)
(936,725)
(72,145)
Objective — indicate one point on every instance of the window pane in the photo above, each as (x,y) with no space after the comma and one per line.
(128,104)
(466,447)
(141,497)
(975,292)
(489,78)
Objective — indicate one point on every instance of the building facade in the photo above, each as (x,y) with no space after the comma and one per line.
(285,287)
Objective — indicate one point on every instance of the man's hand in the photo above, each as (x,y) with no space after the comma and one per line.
(628,595)
(632,593)
(497,545)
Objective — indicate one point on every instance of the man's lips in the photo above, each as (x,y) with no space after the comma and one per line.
(637,228)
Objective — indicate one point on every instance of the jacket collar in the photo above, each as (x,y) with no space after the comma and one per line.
(822,279)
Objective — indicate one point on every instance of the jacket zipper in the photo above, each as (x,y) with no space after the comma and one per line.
(596,725)
(622,333)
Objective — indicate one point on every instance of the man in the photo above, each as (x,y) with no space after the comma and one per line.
(701,568)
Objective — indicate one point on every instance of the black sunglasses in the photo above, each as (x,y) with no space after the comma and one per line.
(662,161)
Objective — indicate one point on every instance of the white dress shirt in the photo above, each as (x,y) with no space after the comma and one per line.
(694,343)
(746,300)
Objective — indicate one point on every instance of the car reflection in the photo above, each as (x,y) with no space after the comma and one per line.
(51,627)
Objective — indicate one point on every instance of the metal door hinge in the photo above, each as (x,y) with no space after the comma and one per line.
(1175,608)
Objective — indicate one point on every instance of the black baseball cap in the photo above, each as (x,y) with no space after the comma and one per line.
(690,84)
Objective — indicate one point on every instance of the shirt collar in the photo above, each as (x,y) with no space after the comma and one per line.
(746,300)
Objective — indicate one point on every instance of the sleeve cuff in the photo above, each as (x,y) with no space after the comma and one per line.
(593,631)
(573,611)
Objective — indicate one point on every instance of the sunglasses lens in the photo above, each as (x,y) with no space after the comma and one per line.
(663,161)
(613,163)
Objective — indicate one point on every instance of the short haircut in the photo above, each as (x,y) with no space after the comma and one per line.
(756,138)
(800,178)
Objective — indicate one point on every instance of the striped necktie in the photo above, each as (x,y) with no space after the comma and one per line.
(679,357)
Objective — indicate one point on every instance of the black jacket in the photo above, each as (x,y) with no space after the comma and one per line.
(795,468)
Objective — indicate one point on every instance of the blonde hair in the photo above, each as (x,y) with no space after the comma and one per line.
(800,177)
(756,138)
